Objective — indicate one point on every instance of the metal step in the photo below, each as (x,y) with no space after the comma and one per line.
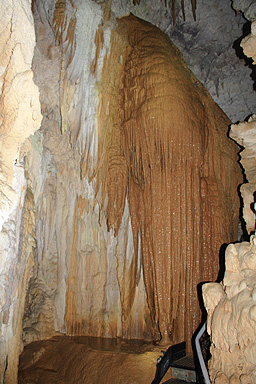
(175,381)
(184,369)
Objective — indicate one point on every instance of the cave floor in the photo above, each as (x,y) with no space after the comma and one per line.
(63,359)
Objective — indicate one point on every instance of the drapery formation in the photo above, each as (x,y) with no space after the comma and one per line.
(163,145)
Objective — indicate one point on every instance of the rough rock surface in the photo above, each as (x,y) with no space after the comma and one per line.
(231,321)
(244,134)
(231,306)
(249,43)
(20,117)
(88,360)
(98,273)
(156,143)
(248,7)
(54,231)
(210,47)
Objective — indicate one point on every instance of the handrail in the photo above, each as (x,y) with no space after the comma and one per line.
(200,355)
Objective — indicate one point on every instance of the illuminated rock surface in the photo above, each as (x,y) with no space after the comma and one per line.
(170,129)
(231,321)
(231,306)
(78,360)
(244,134)
(120,202)
(20,117)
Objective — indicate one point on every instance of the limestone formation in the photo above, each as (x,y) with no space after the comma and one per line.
(231,306)
(153,125)
(244,134)
(231,321)
(120,200)
(249,43)
(107,221)
(20,117)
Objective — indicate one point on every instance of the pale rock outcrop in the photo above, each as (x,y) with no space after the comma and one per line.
(20,117)
(244,134)
(19,106)
(249,43)
(231,306)
(231,321)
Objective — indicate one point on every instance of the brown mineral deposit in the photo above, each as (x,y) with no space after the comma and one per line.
(84,360)
(163,143)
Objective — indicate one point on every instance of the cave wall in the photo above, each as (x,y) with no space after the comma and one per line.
(210,46)
(55,232)
(231,305)
(99,211)
(20,117)
(97,259)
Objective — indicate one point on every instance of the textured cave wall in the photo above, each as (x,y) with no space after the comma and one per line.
(231,306)
(210,46)
(107,194)
(231,321)
(78,257)
(244,134)
(20,117)
(55,232)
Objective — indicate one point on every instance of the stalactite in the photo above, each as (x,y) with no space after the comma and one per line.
(183,10)
(193,4)
(173,11)
(65,33)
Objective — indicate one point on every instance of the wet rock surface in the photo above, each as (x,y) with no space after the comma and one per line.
(65,360)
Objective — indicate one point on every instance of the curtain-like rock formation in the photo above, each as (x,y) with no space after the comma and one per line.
(129,215)
(165,151)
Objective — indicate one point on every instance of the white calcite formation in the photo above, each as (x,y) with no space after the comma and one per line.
(20,117)
(231,321)
(231,306)
(249,43)
(244,134)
